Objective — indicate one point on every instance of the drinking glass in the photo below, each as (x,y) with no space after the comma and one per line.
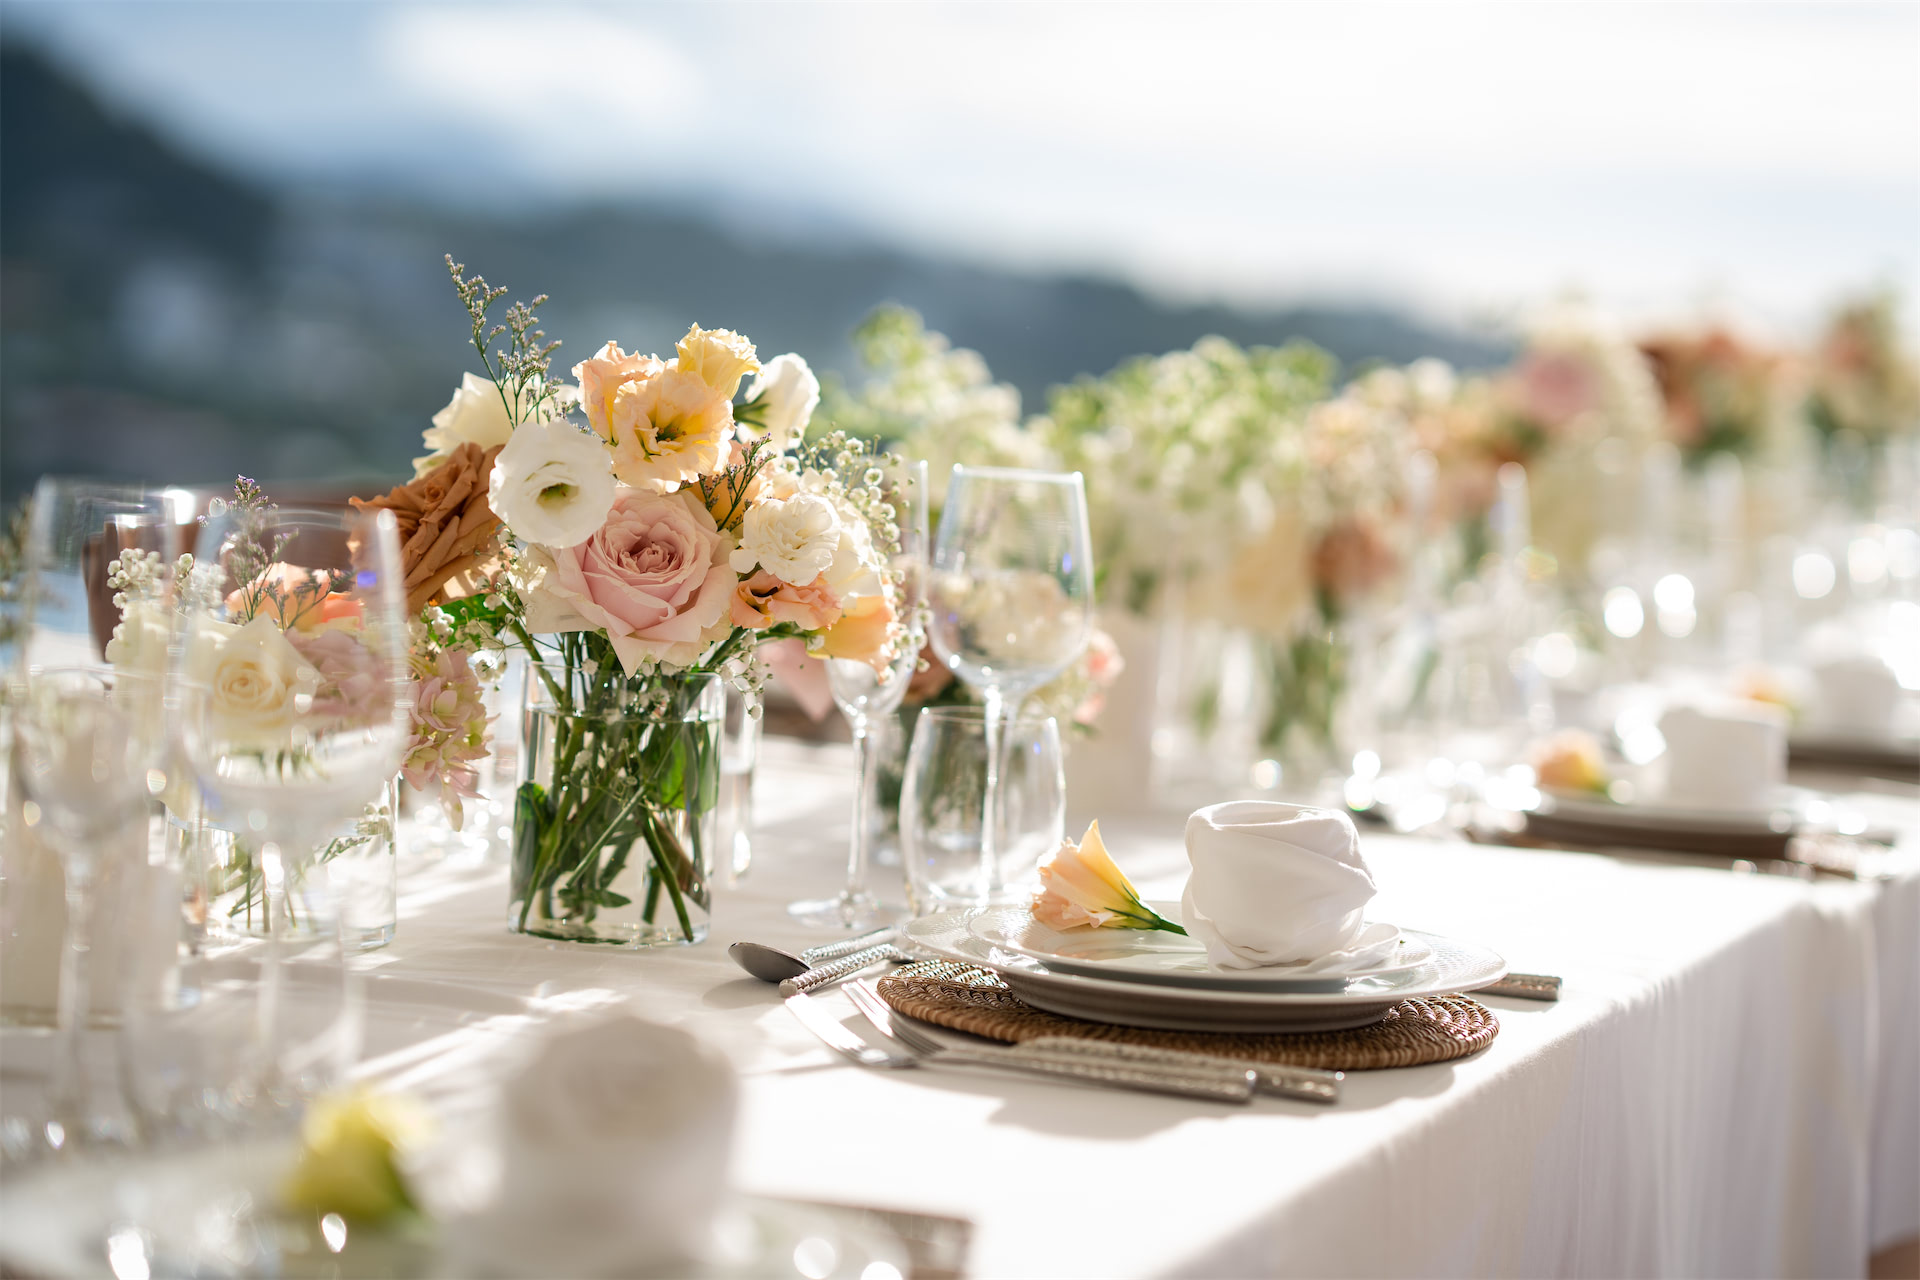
(88,753)
(1011,595)
(293,716)
(866,696)
(942,804)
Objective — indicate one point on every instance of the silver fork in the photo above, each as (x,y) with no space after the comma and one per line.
(1306,1084)
(1056,1050)
(1206,1085)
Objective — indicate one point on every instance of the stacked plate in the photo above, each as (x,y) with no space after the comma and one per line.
(1163,980)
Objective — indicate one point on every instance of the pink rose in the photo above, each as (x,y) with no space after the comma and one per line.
(654,577)
(763,600)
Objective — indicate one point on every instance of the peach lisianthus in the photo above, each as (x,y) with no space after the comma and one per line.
(601,377)
(669,429)
(718,357)
(294,596)
(866,632)
(763,600)
(1080,887)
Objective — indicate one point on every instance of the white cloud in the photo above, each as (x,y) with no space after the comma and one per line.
(1451,153)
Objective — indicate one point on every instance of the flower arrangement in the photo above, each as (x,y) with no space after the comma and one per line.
(637,533)
(1863,382)
(1190,462)
(1720,395)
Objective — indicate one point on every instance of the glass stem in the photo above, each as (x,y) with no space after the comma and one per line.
(864,762)
(991,708)
(275,886)
(70,1085)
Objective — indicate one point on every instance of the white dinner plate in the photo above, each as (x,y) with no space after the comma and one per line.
(1453,966)
(1144,955)
(1774,819)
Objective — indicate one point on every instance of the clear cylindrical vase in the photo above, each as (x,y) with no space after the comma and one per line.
(615,818)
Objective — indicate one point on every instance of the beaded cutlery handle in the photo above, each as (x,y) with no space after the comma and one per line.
(1209,1085)
(1307,1084)
(844,967)
(847,946)
(1524,986)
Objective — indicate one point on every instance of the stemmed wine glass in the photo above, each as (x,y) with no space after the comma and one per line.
(293,688)
(1011,594)
(88,749)
(864,695)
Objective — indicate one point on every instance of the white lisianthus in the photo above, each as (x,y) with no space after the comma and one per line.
(476,415)
(795,539)
(787,393)
(552,484)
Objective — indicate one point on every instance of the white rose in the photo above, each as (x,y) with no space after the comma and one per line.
(256,684)
(475,415)
(794,539)
(791,394)
(552,484)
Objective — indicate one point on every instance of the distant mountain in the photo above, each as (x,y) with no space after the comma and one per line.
(160,318)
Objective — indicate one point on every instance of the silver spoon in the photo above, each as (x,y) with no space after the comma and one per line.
(771,964)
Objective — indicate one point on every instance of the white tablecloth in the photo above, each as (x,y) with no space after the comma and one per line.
(1730,1084)
(1727,1087)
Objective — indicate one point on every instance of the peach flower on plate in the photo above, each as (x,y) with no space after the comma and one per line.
(1082,888)
(654,576)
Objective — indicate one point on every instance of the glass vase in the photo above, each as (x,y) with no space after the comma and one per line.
(615,826)
(351,882)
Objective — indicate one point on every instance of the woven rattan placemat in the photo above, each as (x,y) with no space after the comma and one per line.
(964,998)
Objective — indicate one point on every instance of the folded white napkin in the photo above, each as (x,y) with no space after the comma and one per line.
(1858,694)
(612,1147)
(1278,884)
(1724,754)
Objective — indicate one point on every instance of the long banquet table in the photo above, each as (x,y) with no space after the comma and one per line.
(1730,1084)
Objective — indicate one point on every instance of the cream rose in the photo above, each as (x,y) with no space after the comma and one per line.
(795,539)
(718,357)
(786,393)
(552,484)
(475,415)
(655,576)
(255,682)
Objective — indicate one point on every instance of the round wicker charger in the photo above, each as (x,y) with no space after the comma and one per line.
(964,998)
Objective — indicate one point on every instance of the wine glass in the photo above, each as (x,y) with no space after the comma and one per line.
(1011,595)
(88,750)
(940,804)
(293,715)
(865,695)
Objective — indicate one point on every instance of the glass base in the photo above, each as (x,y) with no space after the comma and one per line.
(620,935)
(851,912)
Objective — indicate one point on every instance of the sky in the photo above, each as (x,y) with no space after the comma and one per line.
(1463,160)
